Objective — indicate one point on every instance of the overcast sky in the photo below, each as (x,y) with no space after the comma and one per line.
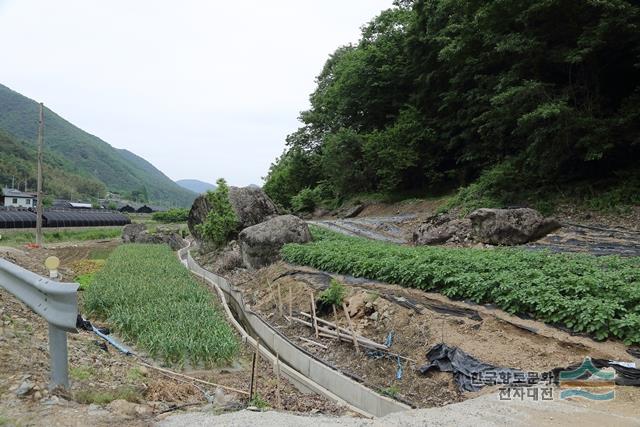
(201,89)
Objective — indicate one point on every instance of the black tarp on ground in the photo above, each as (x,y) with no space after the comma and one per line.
(468,372)
(80,218)
(17,219)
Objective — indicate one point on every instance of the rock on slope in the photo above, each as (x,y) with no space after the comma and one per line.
(260,244)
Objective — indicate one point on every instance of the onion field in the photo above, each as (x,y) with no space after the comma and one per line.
(149,298)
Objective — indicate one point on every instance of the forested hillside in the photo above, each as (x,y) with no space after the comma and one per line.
(18,161)
(84,154)
(518,101)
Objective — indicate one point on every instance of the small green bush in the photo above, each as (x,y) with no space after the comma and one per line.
(334,294)
(306,200)
(221,221)
(172,215)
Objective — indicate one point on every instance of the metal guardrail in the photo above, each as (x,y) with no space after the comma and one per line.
(56,302)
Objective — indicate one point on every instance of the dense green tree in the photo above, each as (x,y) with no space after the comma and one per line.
(438,92)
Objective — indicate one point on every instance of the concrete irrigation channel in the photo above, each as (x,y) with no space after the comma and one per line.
(305,371)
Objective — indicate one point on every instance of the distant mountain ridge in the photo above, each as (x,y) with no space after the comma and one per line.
(196,185)
(86,155)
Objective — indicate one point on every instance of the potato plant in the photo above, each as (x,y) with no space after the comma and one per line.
(595,295)
(151,299)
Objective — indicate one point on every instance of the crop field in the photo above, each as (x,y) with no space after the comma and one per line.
(594,295)
(150,298)
(54,236)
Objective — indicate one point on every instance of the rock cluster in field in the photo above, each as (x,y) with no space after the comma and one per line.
(261,231)
(138,233)
(250,204)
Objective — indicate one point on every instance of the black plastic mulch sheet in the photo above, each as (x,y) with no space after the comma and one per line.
(468,372)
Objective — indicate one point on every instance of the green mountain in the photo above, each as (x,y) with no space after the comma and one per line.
(81,154)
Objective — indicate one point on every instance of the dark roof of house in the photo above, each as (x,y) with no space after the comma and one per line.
(12,192)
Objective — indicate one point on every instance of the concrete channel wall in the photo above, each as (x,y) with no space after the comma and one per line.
(298,366)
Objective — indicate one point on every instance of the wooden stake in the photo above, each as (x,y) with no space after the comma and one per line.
(39,206)
(353,333)
(335,319)
(313,342)
(253,373)
(290,305)
(280,301)
(313,314)
(273,297)
(278,401)
(254,370)
(331,333)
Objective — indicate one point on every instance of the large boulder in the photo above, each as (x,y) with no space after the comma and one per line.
(442,228)
(251,205)
(510,226)
(198,213)
(260,244)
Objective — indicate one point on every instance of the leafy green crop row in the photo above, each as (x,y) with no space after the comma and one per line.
(596,295)
(150,298)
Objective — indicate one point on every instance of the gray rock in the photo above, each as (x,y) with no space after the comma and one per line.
(442,228)
(260,244)
(226,259)
(351,212)
(131,231)
(510,226)
(198,213)
(25,388)
(251,205)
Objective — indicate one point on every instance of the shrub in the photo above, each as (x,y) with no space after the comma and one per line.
(306,200)
(334,294)
(172,215)
(221,221)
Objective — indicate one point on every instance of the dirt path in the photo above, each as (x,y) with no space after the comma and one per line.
(486,411)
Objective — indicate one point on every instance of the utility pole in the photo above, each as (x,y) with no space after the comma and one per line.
(39,208)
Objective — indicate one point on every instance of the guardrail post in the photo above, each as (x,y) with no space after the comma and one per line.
(56,302)
(59,357)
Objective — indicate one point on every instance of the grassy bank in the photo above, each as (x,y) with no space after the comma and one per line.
(150,298)
(596,295)
(14,238)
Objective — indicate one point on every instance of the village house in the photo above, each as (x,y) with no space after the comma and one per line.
(17,199)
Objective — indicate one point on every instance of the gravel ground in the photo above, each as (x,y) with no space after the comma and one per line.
(480,412)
